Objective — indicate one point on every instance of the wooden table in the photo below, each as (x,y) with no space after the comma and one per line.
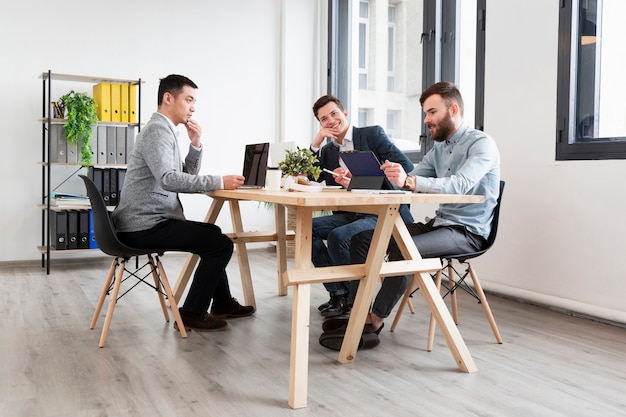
(386,207)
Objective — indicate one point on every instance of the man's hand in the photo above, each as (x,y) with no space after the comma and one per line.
(394,172)
(343,176)
(324,133)
(195,132)
(232,182)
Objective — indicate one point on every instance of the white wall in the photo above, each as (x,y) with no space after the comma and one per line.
(252,60)
(257,63)
(562,233)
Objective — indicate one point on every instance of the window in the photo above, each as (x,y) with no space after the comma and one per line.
(391,48)
(364,8)
(591,122)
(401,47)
(364,117)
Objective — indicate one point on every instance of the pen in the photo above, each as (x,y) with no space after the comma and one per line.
(335,174)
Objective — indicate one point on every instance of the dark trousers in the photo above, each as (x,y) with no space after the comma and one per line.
(203,239)
(431,242)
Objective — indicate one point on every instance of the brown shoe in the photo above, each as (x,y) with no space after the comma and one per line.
(230,309)
(201,322)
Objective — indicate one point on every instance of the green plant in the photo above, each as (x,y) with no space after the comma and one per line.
(300,161)
(80,111)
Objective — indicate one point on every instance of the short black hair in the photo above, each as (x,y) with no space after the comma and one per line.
(324,100)
(173,84)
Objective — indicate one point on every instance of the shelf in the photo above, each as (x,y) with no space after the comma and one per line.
(54,150)
(56,121)
(43,249)
(87,78)
(76,165)
(66,208)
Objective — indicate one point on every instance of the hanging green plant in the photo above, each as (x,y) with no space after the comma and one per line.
(300,161)
(80,111)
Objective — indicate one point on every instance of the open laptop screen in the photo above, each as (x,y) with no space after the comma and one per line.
(255,165)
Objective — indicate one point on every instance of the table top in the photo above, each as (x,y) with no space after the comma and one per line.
(334,198)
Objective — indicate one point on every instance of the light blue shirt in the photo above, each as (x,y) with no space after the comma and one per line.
(468,163)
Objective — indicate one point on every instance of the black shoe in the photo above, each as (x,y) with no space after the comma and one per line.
(334,323)
(334,339)
(324,305)
(230,309)
(201,322)
(339,325)
(338,305)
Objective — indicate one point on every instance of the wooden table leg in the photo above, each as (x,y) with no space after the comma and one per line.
(281,247)
(242,256)
(299,360)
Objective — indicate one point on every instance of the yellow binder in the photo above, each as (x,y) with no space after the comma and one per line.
(116,102)
(132,103)
(125,91)
(102,97)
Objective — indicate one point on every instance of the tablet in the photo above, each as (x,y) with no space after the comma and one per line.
(365,169)
(362,163)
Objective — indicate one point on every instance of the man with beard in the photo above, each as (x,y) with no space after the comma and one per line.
(463,160)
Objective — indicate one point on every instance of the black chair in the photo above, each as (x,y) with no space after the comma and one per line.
(456,280)
(107,241)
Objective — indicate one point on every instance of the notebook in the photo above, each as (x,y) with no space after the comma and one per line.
(365,169)
(255,165)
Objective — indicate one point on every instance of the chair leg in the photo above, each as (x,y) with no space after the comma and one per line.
(483,301)
(158,286)
(433,322)
(452,283)
(112,301)
(406,299)
(173,300)
(410,304)
(103,294)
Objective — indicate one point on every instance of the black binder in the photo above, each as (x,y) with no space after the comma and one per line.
(72,229)
(106,186)
(58,229)
(83,229)
(95,174)
(113,187)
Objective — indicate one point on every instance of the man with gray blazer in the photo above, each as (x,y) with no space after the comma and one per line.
(150,214)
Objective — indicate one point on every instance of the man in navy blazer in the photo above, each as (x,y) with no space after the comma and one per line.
(337,229)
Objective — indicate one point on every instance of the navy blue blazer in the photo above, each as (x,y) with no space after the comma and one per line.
(369,138)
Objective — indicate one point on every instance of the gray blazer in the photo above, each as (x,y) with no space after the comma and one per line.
(154,177)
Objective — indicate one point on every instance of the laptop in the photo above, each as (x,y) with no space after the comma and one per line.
(255,165)
(366,173)
(277,151)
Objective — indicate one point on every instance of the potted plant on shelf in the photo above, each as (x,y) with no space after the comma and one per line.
(80,111)
(301,162)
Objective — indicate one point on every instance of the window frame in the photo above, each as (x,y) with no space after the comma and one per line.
(440,59)
(596,150)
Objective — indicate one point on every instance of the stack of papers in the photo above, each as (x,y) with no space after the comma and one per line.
(60,199)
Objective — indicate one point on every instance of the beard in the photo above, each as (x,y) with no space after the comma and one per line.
(442,130)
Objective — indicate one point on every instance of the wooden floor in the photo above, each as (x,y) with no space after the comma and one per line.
(550,364)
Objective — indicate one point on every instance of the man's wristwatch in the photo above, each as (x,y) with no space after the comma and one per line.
(409,183)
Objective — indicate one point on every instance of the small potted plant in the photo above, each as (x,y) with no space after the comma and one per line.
(301,162)
(80,111)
